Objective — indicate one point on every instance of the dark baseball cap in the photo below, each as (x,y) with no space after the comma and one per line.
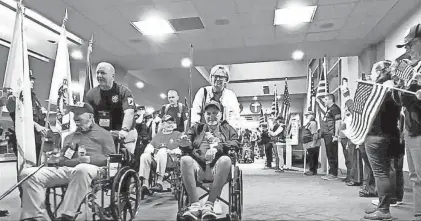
(410,35)
(81,108)
(167,118)
(214,104)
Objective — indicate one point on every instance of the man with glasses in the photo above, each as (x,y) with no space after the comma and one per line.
(230,108)
(412,110)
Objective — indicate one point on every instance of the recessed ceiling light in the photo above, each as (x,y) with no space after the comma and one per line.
(186,62)
(154,26)
(297,55)
(222,21)
(294,15)
(77,55)
(140,85)
(163,96)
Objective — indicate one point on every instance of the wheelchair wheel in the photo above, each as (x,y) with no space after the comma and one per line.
(183,202)
(125,194)
(237,195)
(53,199)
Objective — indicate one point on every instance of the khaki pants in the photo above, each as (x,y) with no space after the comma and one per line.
(78,178)
(145,165)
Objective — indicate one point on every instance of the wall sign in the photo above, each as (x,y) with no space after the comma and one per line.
(255,107)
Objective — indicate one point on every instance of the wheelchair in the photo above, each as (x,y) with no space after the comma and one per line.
(118,181)
(172,175)
(235,193)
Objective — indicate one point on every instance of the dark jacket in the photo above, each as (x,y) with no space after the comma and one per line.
(386,121)
(196,134)
(412,110)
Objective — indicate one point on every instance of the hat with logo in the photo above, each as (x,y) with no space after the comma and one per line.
(213,104)
(410,35)
(81,108)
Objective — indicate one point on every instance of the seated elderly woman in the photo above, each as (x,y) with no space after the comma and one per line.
(82,155)
(165,142)
(208,160)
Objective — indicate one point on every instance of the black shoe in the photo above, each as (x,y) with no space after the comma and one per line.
(157,188)
(144,191)
(309,173)
(65,217)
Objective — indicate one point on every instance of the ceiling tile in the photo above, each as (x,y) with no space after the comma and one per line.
(333,2)
(257,31)
(209,20)
(357,27)
(228,42)
(256,18)
(287,3)
(327,25)
(183,9)
(282,30)
(253,5)
(199,38)
(259,40)
(372,8)
(141,47)
(334,11)
(216,7)
(223,31)
(322,36)
(286,39)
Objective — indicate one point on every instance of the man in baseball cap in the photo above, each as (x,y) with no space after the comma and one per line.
(412,44)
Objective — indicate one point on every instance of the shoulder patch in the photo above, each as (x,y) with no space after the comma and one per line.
(130,101)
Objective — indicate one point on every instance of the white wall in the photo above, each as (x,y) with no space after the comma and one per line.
(296,106)
(397,35)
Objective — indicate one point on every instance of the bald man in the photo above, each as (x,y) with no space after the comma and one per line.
(113,105)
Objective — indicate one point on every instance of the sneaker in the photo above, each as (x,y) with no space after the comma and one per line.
(279,170)
(309,173)
(207,212)
(370,210)
(193,211)
(324,177)
(378,215)
(396,203)
(217,207)
(330,177)
(157,188)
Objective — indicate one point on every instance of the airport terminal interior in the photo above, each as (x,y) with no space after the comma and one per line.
(316,104)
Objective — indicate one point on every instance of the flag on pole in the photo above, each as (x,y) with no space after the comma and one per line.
(87,77)
(322,91)
(17,79)
(311,92)
(286,103)
(61,84)
(262,118)
(367,101)
(275,106)
(403,70)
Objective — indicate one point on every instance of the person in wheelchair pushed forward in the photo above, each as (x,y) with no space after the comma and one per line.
(208,145)
(164,143)
(82,155)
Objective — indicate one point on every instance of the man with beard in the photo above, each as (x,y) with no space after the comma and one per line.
(84,152)
(412,107)
(230,108)
(114,105)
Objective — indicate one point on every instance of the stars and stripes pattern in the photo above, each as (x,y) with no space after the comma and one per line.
(321,91)
(262,118)
(311,92)
(403,70)
(275,106)
(367,101)
(286,103)
(89,83)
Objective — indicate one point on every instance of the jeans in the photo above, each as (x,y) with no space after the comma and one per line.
(269,154)
(396,177)
(413,149)
(313,159)
(368,177)
(280,149)
(332,153)
(376,147)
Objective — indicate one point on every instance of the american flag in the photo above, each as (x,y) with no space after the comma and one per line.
(311,93)
(275,106)
(403,70)
(262,118)
(89,83)
(286,104)
(367,101)
(322,91)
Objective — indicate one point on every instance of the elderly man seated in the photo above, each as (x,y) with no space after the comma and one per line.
(83,153)
(165,143)
(209,146)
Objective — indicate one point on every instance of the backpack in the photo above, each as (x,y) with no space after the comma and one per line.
(180,108)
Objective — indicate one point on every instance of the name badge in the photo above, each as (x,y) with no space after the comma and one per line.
(69,153)
(104,119)
(104,122)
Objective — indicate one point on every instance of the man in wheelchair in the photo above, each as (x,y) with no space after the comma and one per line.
(82,155)
(163,144)
(208,146)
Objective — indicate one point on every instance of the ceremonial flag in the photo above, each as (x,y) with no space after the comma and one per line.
(311,92)
(403,70)
(17,79)
(275,106)
(87,77)
(287,103)
(367,101)
(262,118)
(61,84)
(322,91)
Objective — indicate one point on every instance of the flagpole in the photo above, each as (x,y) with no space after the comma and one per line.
(190,86)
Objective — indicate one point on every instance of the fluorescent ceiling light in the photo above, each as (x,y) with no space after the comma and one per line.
(294,15)
(34,17)
(77,55)
(140,85)
(298,55)
(154,26)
